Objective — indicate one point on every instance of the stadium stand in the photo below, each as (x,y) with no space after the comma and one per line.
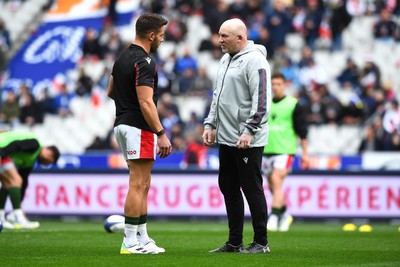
(21,17)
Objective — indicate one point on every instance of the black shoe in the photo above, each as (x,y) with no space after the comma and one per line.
(229,248)
(257,248)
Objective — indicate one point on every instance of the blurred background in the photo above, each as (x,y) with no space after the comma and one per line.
(341,59)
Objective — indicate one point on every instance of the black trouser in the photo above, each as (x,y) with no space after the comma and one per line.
(241,169)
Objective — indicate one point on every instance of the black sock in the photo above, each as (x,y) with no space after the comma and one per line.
(276,211)
(3,197)
(283,209)
(143,219)
(131,220)
(15,197)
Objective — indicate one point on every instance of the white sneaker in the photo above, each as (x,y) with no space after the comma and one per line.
(272,224)
(7,224)
(10,217)
(135,249)
(3,221)
(152,247)
(22,222)
(286,221)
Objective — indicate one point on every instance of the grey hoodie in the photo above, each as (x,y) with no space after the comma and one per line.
(242,97)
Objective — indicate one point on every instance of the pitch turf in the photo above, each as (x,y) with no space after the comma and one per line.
(78,244)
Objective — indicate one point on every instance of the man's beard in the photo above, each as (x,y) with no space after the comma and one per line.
(153,46)
(224,49)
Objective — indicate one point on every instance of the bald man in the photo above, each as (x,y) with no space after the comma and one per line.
(238,123)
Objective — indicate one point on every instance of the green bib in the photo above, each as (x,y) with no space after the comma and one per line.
(20,159)
(282,139)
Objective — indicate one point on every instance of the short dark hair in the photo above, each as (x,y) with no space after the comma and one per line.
(149,22)
(56,152)
(278,75)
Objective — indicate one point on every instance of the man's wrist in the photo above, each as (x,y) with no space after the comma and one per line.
(248,131)
(208,126)
(160,132)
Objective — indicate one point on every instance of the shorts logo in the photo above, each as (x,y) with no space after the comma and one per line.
(131,152)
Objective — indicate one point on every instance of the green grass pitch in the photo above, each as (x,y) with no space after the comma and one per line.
(78,244)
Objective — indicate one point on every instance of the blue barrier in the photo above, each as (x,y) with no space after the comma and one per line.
(104,161)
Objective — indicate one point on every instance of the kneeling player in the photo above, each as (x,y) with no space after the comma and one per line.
(19,152)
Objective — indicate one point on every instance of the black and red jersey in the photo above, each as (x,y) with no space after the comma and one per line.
(134,67)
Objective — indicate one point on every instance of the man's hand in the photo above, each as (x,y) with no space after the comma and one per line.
(164,147)
(244,141)
(305,161)
(208,137)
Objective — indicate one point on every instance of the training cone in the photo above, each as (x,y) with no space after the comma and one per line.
(398,229)
(365,228)
(349,227)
